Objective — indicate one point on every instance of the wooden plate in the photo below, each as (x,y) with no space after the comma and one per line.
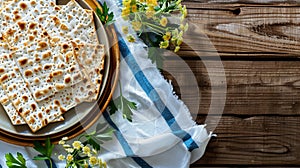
(94,109)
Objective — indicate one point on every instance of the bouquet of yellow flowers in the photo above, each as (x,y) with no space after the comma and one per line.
(152,20)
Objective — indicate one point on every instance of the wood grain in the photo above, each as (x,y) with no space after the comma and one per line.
(246,30)
(258,43)
(254,141)
(254,87)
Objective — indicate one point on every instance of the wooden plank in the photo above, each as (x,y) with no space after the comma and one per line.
(245,30)
(265,140)
(232,3)
(254,87)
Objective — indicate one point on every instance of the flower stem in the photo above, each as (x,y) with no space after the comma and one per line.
(153,28)
(153,25)
(50,161)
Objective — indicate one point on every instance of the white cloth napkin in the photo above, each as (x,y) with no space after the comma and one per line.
(162,133)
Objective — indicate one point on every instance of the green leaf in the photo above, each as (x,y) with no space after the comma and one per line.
(13,162)
(155,55)
(124,105)
(126,108)
(49,147)
(45,150)
(97,137)
(92,142)
(113,103)
(104,15)
(105,8)
(40,148)
(41,158)
(21,158)
(105,136)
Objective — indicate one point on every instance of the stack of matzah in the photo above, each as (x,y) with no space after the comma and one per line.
(50,60)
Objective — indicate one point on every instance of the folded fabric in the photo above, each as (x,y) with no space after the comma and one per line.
(162,133)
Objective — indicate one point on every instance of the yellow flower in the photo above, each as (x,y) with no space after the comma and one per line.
(164,21)
(177,48)
(125,29)
(69,157)
(76,144)
(136,25)
(126,3)
(142,1)
(151,2)
(151,8)
(125,12)
(104,165)
(164,44)
(85,165)
(130,38)
(134,8)
(93,160)
(61,157)
(100,162)
(86,150)
(150,11)
(167,36)
(149,14)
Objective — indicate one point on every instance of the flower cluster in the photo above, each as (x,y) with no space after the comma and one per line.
(79,155)
(154,16)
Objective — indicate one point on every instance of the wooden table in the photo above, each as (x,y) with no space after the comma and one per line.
(259,44)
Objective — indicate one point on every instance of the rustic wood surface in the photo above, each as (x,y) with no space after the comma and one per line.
(259,44)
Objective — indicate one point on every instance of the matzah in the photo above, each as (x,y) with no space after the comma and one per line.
(37,115)
(73,23)
(12,112)
(44,75)
(19,94)
(49,71)
(91,57)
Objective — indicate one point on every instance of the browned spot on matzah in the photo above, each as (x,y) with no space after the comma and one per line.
(3,78)
(46,55)
(23,61)
(42,45)
(33,107)
(32,25)
(23,5)
(2,70)
(28,73)
(25,98)
(64,27)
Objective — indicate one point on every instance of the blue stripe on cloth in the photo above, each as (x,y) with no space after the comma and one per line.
(153,95)
(128,151)
(49,164)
